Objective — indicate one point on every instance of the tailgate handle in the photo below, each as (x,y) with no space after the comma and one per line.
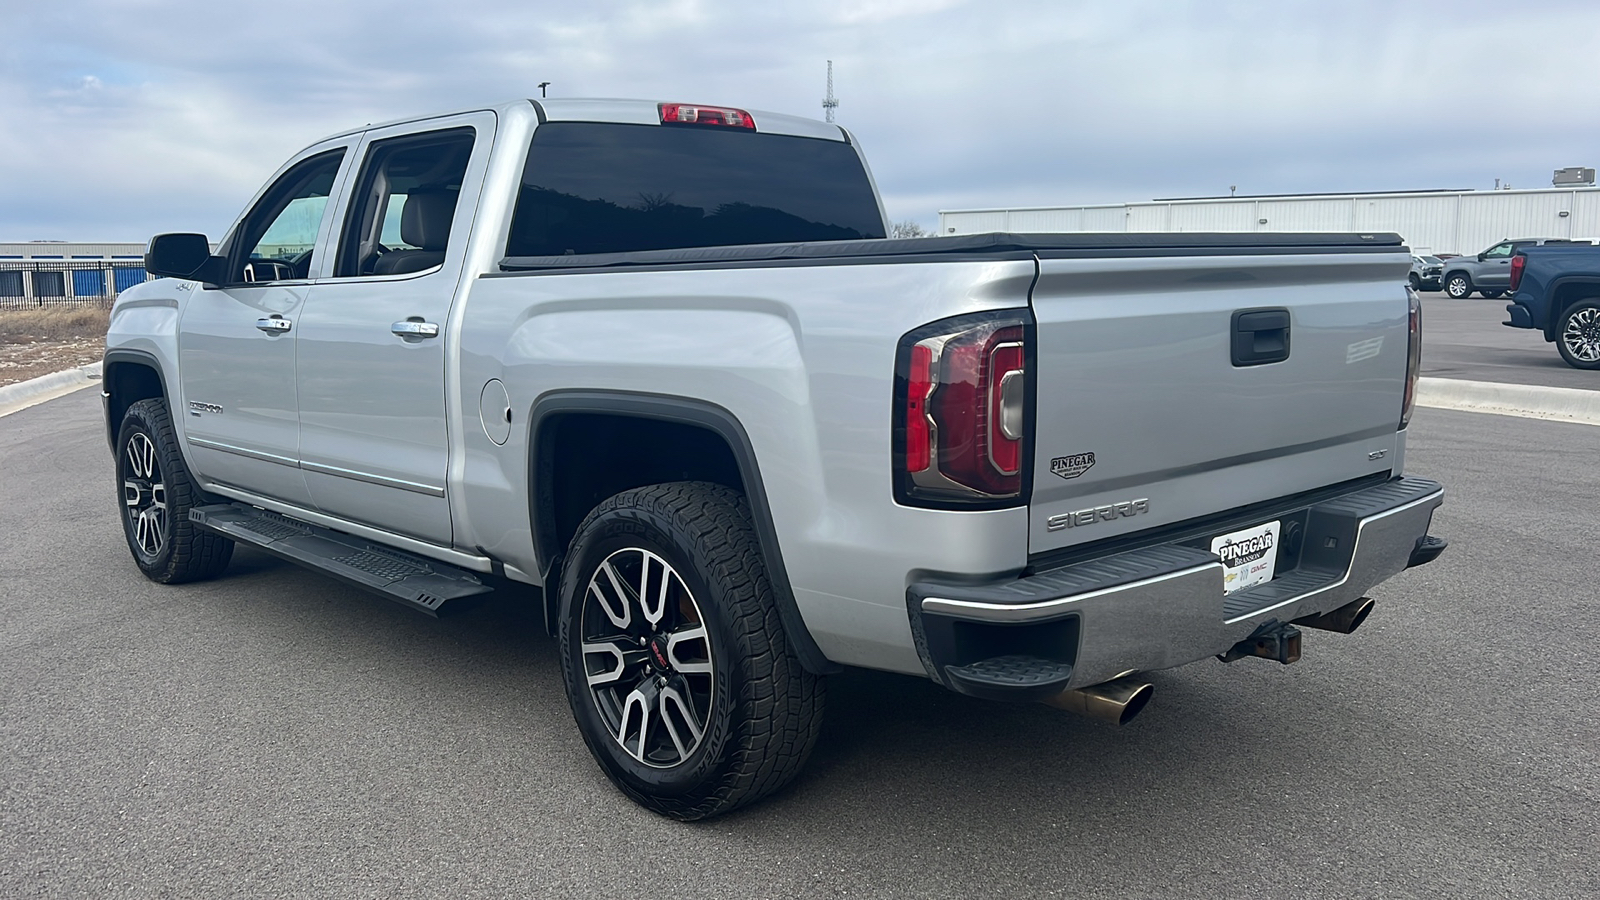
(1260,336)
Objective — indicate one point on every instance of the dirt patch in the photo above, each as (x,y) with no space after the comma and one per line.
(39,341)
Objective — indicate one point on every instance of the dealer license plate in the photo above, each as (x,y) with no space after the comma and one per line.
(1249,556)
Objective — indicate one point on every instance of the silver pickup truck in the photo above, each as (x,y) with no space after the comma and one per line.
(655,368)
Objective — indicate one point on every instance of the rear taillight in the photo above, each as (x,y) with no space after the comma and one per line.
(961,412)
(1518,263)
(688,114)
(1413,358)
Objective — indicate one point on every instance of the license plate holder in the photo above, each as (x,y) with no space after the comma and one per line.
(1249,556)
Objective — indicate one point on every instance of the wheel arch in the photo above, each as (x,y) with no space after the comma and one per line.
(688,440)
(126,377)
(1565,292)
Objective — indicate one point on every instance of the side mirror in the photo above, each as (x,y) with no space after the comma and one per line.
(185,256)
(1483,256)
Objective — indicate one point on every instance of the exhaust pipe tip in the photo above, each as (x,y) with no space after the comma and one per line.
(1345,620)
(1116,701)
(1363,608)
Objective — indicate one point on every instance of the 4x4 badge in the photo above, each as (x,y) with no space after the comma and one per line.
(1072,466)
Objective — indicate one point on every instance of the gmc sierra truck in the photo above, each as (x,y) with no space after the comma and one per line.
(1556,291)
(656,368)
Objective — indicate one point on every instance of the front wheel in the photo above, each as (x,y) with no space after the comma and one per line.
(674,656)
(1416,283)
(1458,286)
(1579,339)
(157,494)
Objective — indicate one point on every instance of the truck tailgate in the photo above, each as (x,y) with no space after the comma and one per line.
(1143,416)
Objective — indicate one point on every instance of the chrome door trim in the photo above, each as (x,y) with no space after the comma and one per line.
(369,478)
(421,548)
(241,451)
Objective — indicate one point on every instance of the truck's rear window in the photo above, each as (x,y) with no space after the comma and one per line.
(592,187)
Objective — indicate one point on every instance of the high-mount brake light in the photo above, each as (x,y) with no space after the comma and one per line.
(689,114)
(961,419)
(1413,358)
(1518,263)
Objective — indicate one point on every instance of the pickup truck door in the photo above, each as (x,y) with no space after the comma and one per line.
(1495,269)
(373,338)
(236,341)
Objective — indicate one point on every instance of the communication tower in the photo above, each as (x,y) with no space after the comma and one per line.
(830,102)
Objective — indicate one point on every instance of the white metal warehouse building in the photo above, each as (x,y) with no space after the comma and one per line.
(1459,222)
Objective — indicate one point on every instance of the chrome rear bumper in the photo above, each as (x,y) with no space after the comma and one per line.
(1164,606)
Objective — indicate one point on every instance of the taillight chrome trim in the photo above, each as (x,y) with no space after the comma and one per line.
(1408,404)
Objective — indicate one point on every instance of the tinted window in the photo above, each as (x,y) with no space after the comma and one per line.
(404,204)
(280,233)
(592,187)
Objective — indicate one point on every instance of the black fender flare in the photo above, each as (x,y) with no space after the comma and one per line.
(685,411)
(139,358)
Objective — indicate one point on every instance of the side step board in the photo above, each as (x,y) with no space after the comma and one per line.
(415,581)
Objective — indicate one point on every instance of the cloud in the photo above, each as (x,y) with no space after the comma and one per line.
(124,118)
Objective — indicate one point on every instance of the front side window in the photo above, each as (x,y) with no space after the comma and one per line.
(404,204)
(279,236)
(1498,251)
(592,187)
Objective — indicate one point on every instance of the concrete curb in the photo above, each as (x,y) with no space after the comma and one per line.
(1526,400)
(23,394)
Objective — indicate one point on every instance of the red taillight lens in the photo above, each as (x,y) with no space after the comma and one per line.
(686,114)
(1413,358)
(962,415)
(1518,262)
(919,433)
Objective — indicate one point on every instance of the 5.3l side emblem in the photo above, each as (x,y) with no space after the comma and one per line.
(1072,466)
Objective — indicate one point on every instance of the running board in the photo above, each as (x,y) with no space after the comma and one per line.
(417,582)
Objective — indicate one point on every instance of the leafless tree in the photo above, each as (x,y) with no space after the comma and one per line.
(906,229)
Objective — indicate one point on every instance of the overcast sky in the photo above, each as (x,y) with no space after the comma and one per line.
(123,118)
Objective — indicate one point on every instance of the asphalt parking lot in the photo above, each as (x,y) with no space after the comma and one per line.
(1464,339)
(274,733)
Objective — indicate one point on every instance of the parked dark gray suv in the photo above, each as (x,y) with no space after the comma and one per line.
(1489,273)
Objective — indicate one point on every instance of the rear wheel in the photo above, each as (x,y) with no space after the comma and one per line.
(1492,295)
(1579,337)
(1458,286)
(674,657)
(157,494)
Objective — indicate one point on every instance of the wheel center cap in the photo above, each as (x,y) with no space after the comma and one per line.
(658,655)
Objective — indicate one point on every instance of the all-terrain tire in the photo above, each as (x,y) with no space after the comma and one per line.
(758,710)
(156,493)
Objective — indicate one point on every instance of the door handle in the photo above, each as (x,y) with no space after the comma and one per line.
(274,324)
(414,329)
(1260,336)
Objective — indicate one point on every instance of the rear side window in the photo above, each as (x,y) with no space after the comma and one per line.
(591,187)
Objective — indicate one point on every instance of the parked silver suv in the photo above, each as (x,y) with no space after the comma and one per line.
(1489,273)
(1426,272)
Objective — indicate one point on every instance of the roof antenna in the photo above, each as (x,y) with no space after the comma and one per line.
(830,102)
(542,86)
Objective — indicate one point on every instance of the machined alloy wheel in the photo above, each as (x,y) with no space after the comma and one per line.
(1458,286)
(1579,340)
(157,494)
(647,657)
(144,495)
(673,653)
